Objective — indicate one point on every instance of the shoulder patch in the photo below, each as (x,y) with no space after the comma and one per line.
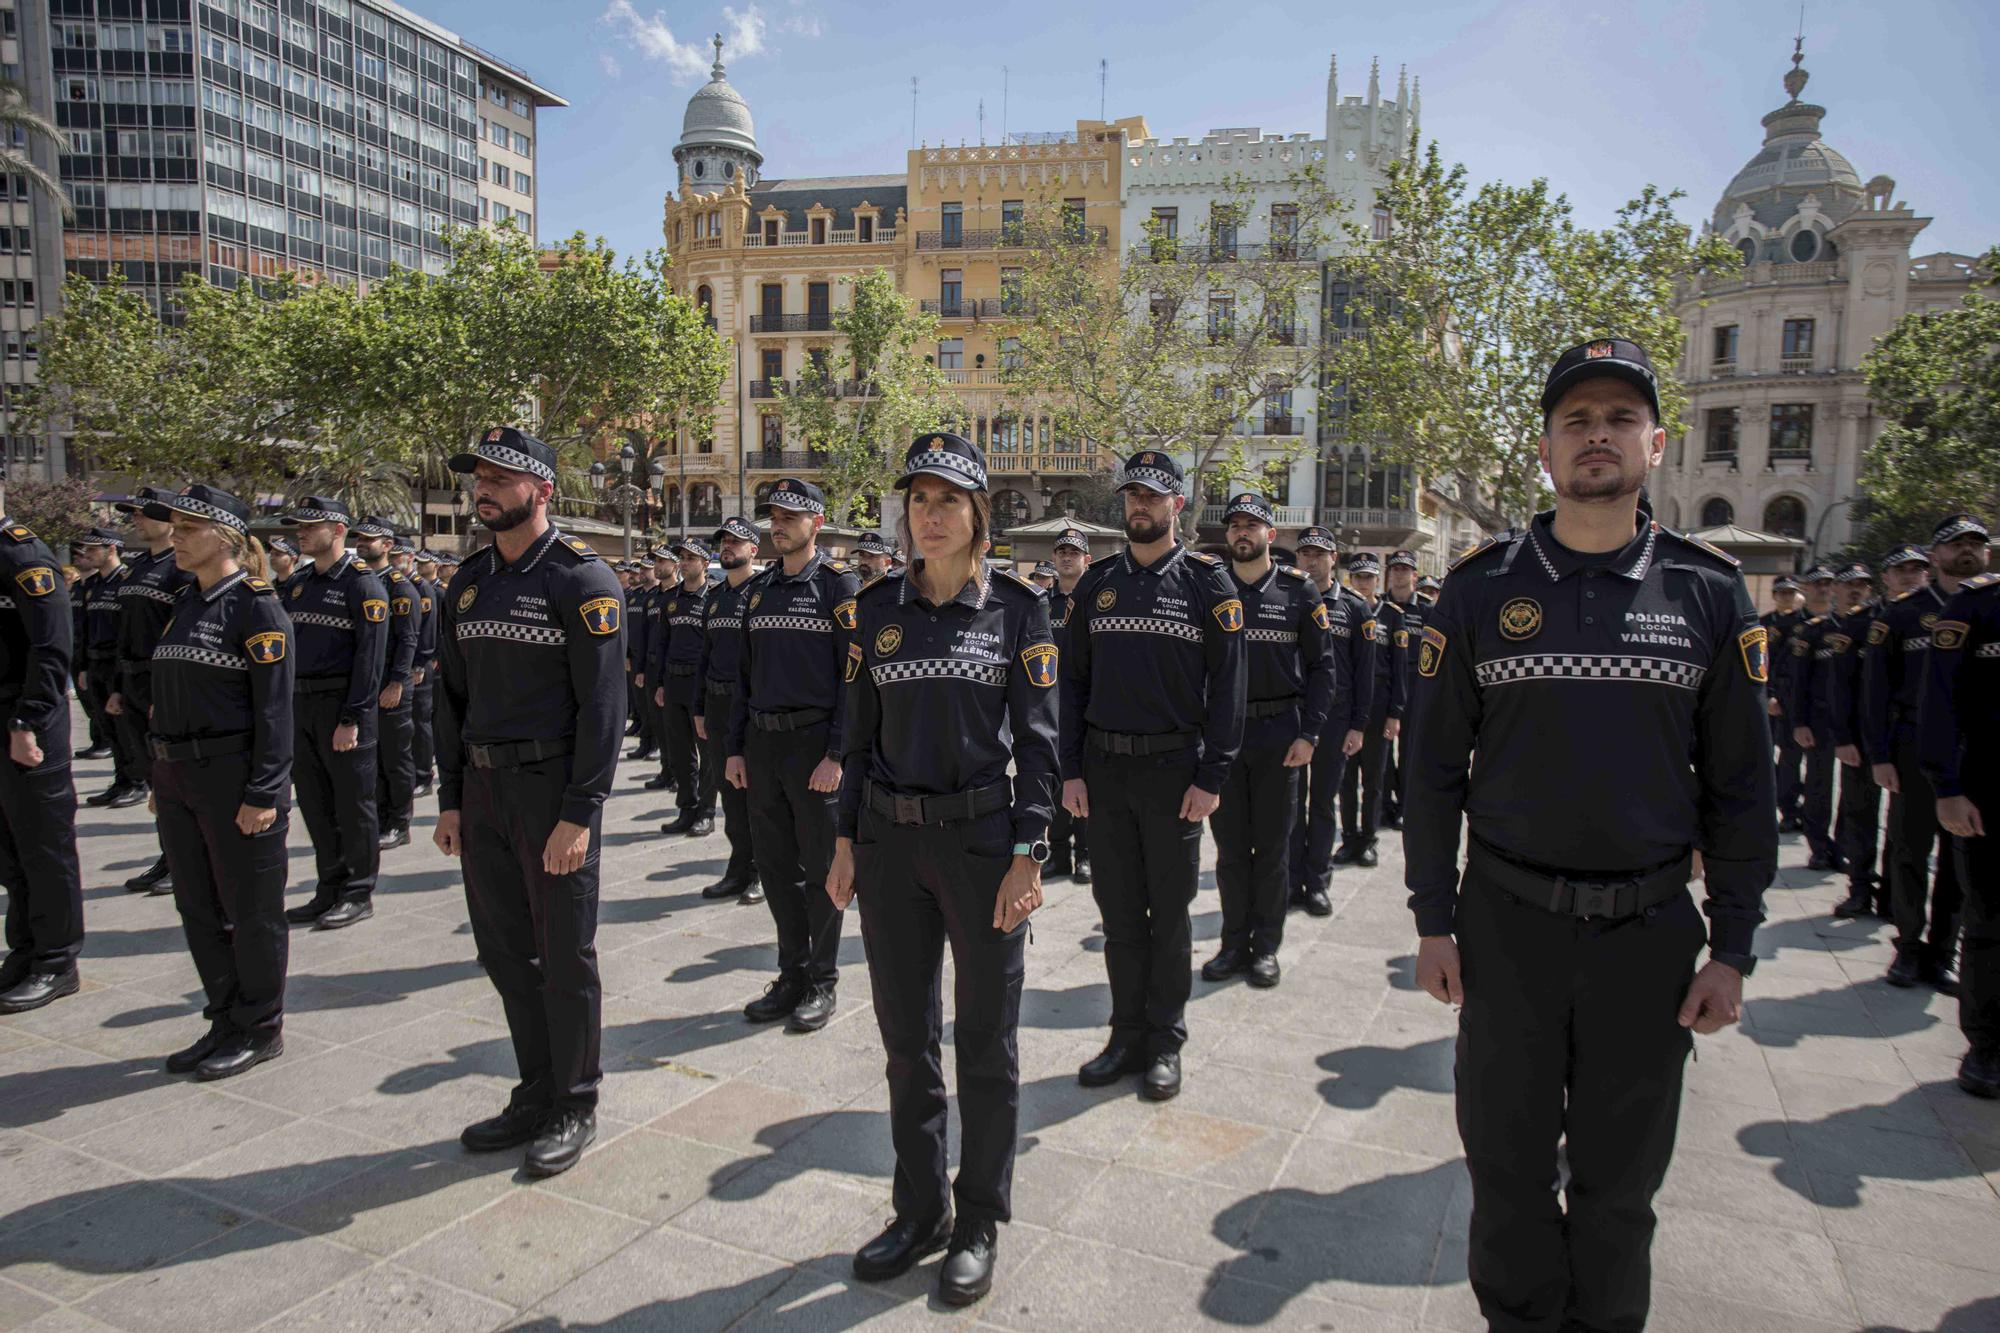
(1949,635)
(17,533)
(1214,562)
(843,614)
(1029,584)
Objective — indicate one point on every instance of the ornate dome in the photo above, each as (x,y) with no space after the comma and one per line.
(718,117)
(1793,163)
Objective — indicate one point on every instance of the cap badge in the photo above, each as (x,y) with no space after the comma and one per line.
(493,436)
(1597,351)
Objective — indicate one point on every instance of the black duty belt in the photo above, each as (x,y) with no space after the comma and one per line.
(723,688)
(320,684)
(514,754)
(1270,707)
(673,670)
(1600,894)
(797,719)
(1119,742)
(201,747)
(901,809)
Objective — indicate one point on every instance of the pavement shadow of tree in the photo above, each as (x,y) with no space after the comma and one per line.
(1362,1074)
(1380,1233)
(1844,1150)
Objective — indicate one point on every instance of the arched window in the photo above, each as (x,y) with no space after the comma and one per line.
(1065,503)
(704,504)
(1786,516)
(670,505)
(763,491)
(1748,249)
(1010,510)
(1805,244)
(1716,512)
(705,298)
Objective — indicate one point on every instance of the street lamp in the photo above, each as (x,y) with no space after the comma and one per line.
(659,473)
(626,492)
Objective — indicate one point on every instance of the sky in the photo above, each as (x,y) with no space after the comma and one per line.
(1601,99)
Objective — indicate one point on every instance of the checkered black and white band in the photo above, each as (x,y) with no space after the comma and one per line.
(1145,625)
(1958,529)
(939,668)
(1917,643)
(149,591)
(209,657)
(187,504)
(1987,650)
(322,619)
(316,516)
(685,618)
(794,500)
(1585,666)
(546,636)
(804,624)
(513,458)
(1156,477)
(1255,635)
(6,603)
(726,623)
(1323,543)
(738,529)
(954,465)
(1365,564)
(1076,541)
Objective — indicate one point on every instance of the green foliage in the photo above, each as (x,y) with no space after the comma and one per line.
(1935,378)
(58,511)
(20,123)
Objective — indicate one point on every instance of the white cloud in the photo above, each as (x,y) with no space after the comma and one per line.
(744,34)
(802,21)
(652,38)
(609,65)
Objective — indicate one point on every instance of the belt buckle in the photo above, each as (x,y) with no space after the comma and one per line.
(1123,744)
(1593,898)
(908,809)
(480,756)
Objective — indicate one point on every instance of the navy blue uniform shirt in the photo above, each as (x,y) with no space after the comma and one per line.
(1288,654)
(399,653)
(101,617)
(1892,673)
(1959,718)
(340,627)
(1354,650)
(223,667)
(796,628)
(722,640)
(145,599)
(676,651)
(35,639)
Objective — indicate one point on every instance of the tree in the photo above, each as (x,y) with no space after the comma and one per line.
(858,408)
(1443,332)
(19,124)
(57,511)
(1935,377)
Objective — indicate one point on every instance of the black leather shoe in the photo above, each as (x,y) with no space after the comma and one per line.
(1345,853)
(188,1059)
(421,790)
(238,1053)
(752,894)
(107,796)
(702,826)
(1791,824)
(308,912)
(95,752)
(1367,856)
(163,887)
(723,888)
(1854,904)
(1906,969)
(899,1247)
(967,1272)
(1818,861)
(1118,1058)
(345,914)
(144,881)
(392,839)
(128,797)
(679,824)
(1163,1077)
(778,1000)
(641,752)
(510,1129)
(1979,1073)
(1082,872)
(1317,903)
(1225,964)
(813,1011)
(1392,820)
(1264,970)
(37,989)
(560,1143)
(659,782)
(1940,973)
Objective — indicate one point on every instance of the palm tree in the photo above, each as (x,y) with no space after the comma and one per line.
(19,120)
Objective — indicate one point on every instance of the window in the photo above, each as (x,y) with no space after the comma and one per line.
(500,135)
(771,297)
(1722,428)
(305,228)
(499,96)
(951,289)
(1716,512)
(1010,292)
(1798,339)
(771,431)
(371,67)
(951,354)
(1379,223)
(1011,218)
(1166,232)
(1791,431)
(1724,344)
(520,105)
(523,183)
(864,228)
(403,82)
(773,363)
(500,175)
(524,145)
(1010,354)
(1073,218)
(1805,245)
(1284,230)
(1786,516)
(952,225)
(222,153)
(1221,318)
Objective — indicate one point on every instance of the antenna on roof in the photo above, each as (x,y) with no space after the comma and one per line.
(913,111)
(982,120)
(1103,80)
(1003,104)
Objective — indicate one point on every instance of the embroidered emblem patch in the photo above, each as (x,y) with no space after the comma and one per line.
(1928,620)
(853,660)
(465,599)
(425,603)
(755,598)
(1878,633)
(1430,653)
(1403,639)
(298,592)
(1229,615)
(888,640)
(1521,619)
(37,580)
(402,606)
(1107,598)
(266,648)
(600,615)
(375,610)
(1949,635)
(1756,647)
(1319,616)
(844,616)
(1040,660)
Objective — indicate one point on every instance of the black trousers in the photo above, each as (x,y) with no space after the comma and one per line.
(1146,864)
(100,721)
(1569,1035)
(735,801)
(683,758)
(1361,785)
(423,734)
(1855,832)
(791,832)
(230,889)
(100,681)
(1913,898)
(1069,838)
(536,933)
(131,729)
(1253,843)
(1392,777)
(1978,868)
(636,707)
(1816,796)
(919,887)
(395,773)
(38,864)
(336,796)
(1316,814)
(662,737)
(1791,785)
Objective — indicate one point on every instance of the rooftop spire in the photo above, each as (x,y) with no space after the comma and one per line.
(1375,81)
(715,70)
(1796,76)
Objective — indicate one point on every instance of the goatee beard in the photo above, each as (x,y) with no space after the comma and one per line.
(1141,529)
(508,519)
(737,563)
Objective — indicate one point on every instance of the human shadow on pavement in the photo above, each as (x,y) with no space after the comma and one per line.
(1843,1151)
(37,1096)
(1821,933)
(1783,1020)
(1362,1074)
(1074,1009)
(839,1302)
(1403,972)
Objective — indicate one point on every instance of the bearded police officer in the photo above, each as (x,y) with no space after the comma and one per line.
(1786,614)
(395,777)
(1069,837)
(1593,656)
(784,746)
(1400,577)
(1288,673)
(1354,654)
(528,736)
(721,663)
(1797,683)
(673,670)
(340,629)
(145,603)
(97,648)
(873,554)
(1152,717)
(1361,785)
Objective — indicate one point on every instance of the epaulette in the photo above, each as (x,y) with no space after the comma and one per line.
(581,548)
(1028,584)
(1506,534)
(887,578)
(255,584)
(17,533)
(1206,559)
(1700,545)
(1905,596)
(395,575)
(1103,560)
(1979,581)
(1294,572)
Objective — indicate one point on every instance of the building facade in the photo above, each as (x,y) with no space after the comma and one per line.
(1778,415)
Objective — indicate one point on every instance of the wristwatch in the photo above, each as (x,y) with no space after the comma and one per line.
(1746,963)
(20,724)
(1038,850)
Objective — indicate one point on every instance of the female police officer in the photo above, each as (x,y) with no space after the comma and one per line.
(221,743)
(951,674)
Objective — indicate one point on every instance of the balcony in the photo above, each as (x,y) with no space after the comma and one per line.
(847,236)
(1720,458)
(1289,516)
(999,238)
(1272,426)
(768,388)
(1722,369)
(1796,365)
(1169,250)
(1025,464)
(1800,459)
(1389,526)
(961,309)
(785,460)
(818,321)
(980,308)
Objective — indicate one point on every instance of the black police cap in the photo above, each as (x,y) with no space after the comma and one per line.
(371,526)
(1402,560)
(734,526)
(100,537)
(942,454)
(874,543)
(1075,538)
(695,546)
(1154,470)
(1364,562)
(317,509)
(1248,502)
(205,502)
(1905,555)
(795,494)
(516,450)
(1856,573)
(1618,358)
(139,499)
(1044,568)
(283,546)
(1955,527)
(1319,537)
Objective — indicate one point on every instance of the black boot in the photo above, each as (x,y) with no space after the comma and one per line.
(723,888)
(813,1011)
(1346,852)
(967,1273)
(1979,1073)
(1317,903)
(1119,1057)
(133,795)
(144,881)
(392,839)
(778,1000)
(510,1129)
(899,1246)
(1264,970)
(239,1053)
(560,1142)
(1855,903)
(345,914)
(703,826)
(1163,1077)
(1939,970)
(1225,964)
(188,1059)
(682,822)
(1906,969)
(658,783)
(1367,855)
(39,988)
(753,893)
(310,911)
(107,796)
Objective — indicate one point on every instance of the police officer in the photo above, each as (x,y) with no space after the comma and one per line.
(1400,576)
(784,745)
(221,741)
(145,599)
(1069,837)
(666,570)
(283,558)
(1958,554)
(1855,830)
(78,577)
(874,554)
(340,628)
(395,773)
(718,671)
(38,862)
(96,647)
(638,602)
(1959,720)
(1043,575)
(1354,654)
(1906,571)
(1786,614)
(1289,678)
(673,671)
(1809,655)
(1592,656)
(423,676)
(1427,595)
(1152,717)
(1361,785)
(528,735)
(951,677)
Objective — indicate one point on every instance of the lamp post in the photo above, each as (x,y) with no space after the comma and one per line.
(626,492)
(659,474)
(1819,529)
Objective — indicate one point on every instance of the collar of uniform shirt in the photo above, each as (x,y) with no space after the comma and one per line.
(224,585)
(528,561)
(1160,566)
(1260,584)
(1559,562)
(973,594)
(329,571)
(778,574)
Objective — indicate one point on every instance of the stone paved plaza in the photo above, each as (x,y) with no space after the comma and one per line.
(1829,1176)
